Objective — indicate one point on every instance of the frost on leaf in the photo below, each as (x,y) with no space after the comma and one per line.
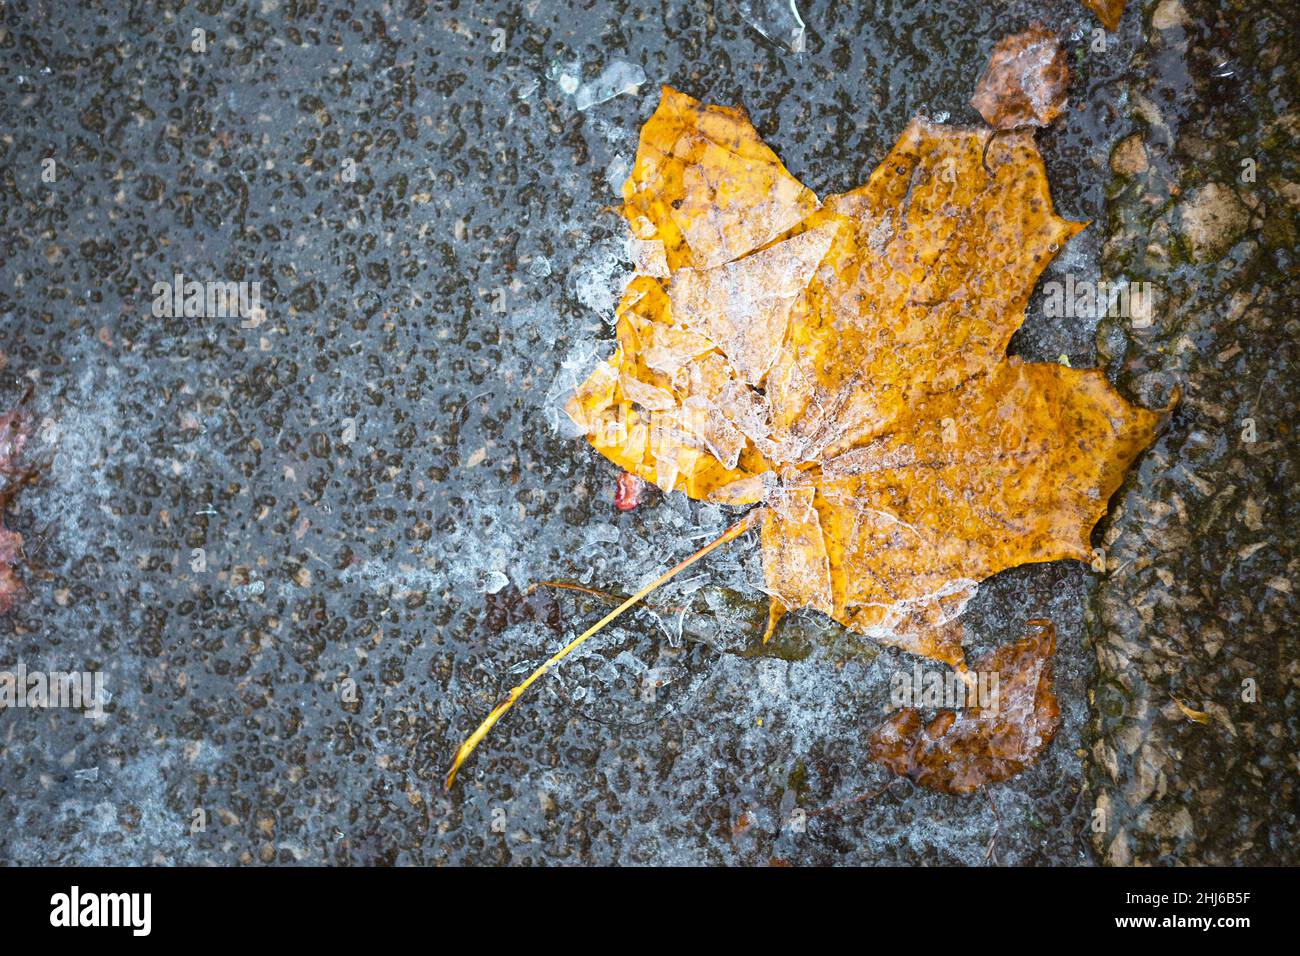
(845,363)
(961,751)
(1025,82)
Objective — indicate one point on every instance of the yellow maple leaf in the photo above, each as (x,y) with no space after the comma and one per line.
(844,362)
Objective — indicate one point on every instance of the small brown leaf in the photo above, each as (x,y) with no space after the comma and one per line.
(961,751)
(1025,82)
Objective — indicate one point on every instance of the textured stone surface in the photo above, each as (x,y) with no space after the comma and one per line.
(1194,753)
(378,469)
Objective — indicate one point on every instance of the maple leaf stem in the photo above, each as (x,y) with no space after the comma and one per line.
(606,596)
(473,740)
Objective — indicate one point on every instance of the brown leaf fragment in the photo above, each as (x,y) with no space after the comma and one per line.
(1026,81)
(1108,12)
(959,751)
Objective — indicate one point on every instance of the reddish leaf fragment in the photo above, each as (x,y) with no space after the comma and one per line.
(1026,81)
(10,587)
(961,751)
(13,436)
(629,491)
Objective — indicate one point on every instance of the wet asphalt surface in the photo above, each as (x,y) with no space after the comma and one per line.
(298,548)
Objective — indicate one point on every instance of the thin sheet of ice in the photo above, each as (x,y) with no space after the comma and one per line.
(778,20)
(618,77)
